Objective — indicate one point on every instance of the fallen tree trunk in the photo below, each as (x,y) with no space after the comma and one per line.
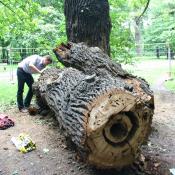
(105,111)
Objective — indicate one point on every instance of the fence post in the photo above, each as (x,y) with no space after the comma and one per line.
(11,66)
(169,60)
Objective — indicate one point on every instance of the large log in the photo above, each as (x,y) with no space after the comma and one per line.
(104,110)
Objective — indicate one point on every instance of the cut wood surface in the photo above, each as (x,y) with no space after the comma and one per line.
(105,111)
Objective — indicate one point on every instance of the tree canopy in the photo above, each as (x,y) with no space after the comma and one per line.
(41,24)
(159,22)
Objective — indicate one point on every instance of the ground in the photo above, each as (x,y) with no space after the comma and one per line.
(161,142)
(62,159)
(158,154)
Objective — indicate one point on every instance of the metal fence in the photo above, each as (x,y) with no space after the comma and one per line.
(17,54)
(157,50)
(10,57)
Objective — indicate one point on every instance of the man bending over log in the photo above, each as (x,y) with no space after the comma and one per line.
(30,65)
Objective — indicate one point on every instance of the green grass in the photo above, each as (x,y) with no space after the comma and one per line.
(6,68)
(8,89)
(142,58)
(152,70)
(170,84)
(152,76)
(7,92)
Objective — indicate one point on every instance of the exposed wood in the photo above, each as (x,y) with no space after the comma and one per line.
(104,110)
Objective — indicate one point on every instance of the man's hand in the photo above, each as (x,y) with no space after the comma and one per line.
(34,69)
(41,71)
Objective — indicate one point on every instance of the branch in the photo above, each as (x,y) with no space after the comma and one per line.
(146,7)
(7,7)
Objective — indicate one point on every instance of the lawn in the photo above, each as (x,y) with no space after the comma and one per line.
(4,67)
(170,84)
(7,93)
(152,71)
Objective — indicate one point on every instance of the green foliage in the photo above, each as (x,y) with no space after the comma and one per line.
(31,24)
(121,39)
(123,15)
(60,65)
(159,23)
(41,24)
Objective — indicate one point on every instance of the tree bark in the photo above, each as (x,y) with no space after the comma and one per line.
(5,54)
(89,22)
(138,38)
(105,111)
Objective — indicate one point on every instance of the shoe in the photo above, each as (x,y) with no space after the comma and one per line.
(23,110)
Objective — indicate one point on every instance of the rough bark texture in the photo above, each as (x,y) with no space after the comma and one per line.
(89,22)
(105,111)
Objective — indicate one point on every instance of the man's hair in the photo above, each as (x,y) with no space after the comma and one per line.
(48,58)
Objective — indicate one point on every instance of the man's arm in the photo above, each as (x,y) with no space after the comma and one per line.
(34,68)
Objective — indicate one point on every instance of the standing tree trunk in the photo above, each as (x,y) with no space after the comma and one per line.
(5,54)
(89,22)
(138,38)
(105,111)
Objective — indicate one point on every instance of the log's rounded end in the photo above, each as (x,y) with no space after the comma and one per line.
(116,128)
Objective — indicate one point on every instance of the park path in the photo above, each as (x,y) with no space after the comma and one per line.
(159,83)
(8,76)
(161,141)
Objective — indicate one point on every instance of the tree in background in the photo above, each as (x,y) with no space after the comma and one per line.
(41,24)
(89,22)
(127,27)
(31,24)
(159,26)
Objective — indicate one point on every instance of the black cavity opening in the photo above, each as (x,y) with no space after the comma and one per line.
(118,130)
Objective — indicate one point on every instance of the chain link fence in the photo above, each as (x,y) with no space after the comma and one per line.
(156,50)
(10,57)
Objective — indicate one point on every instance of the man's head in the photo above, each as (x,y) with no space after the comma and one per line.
(47,60)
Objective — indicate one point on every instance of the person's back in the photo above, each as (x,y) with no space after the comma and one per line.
(36,60)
